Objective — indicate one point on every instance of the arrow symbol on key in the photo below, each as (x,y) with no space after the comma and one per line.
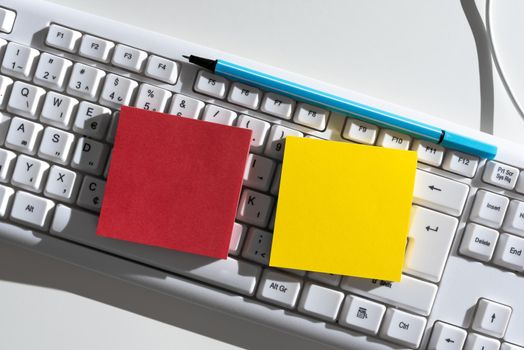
(433,188)
(429,228)
(493,317)
(450,340)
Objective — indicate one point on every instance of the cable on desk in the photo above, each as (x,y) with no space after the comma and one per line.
(496,61)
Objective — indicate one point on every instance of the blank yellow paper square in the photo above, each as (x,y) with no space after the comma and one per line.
(343,208)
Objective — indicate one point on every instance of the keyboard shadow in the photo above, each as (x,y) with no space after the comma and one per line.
(25,267)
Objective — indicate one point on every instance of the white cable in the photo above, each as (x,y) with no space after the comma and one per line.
(498,66)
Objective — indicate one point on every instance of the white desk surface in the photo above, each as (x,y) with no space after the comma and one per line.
(417,54)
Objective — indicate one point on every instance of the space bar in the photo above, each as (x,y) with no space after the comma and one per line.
(231,274)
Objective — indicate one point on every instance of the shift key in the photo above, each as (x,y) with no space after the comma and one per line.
(439,193)
(410,293)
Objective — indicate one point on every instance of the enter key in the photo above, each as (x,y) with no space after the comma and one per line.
(429,240)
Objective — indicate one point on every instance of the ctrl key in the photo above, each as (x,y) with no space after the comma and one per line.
(403,328)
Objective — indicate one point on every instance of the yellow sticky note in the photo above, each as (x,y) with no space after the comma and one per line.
(343,208)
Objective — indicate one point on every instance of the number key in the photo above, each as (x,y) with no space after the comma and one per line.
(117,91)
(18,61)
(51,71)
(85,81)
(275,143)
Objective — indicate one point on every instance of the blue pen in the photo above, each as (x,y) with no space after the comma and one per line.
(344,106)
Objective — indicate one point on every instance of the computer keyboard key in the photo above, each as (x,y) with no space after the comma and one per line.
(500,175)
(491,318)
(479,242)
(259,128)
(5,120)
(19,61)
(429,231)
(514,222)
(238,235)
(447,337)
(219,115)
(91,193)
(162,69)
(152,98)
(257,246)
(275,186)
(117,91)
(128,58)
(52,71)
(56,145)
(393,139)
(95,48)
(439,193)
(479,342)
(62,184)
(106,169)
(327,278)
(210,84)
(5,87)
(275,143)
(255,208)
(520,183)
(6,164)
(508,346)
(428,152)
(7,20)
(58,109)
(29,173)
(320,302)
(184,106)
(403,328)
(311,116)
(279,288)
(509,252)
(244,95)
(23,135)
(62,38)
(460,163)
(361,314)
(271,225)
(92,120)
(25,100)
(85,81)
(6,194)
(259,172)
(410,293)
(359,131)
(112,127)
(279,106)
(32,210)
(489,209)
(89,156)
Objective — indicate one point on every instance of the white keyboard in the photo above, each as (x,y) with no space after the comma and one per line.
(63,77)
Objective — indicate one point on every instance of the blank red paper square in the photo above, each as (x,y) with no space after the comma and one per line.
(174,182)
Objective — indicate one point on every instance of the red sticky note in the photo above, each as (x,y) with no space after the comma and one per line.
(174,182)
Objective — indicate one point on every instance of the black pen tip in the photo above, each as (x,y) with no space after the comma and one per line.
(202,62)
